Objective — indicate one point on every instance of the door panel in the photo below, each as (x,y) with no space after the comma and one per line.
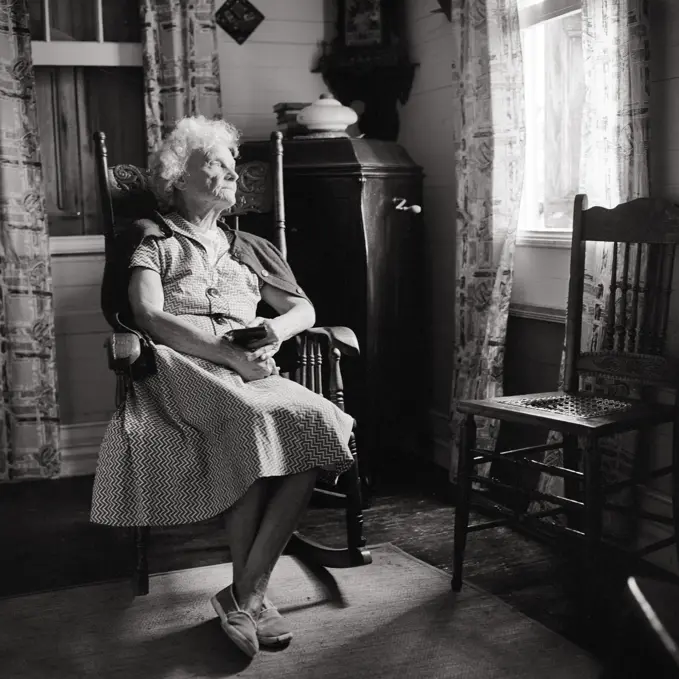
(58,124)
(72,104)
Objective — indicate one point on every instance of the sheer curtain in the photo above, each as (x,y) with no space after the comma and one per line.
(29,425)
(614,166)
(181,63)
(489,166)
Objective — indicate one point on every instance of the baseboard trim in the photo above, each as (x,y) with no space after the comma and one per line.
(80,447)
(537,313)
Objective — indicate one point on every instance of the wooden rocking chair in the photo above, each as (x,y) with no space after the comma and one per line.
(124,196)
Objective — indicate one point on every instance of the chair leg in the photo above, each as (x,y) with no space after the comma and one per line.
(140,576)
(593,516)
(571,460)
(468,443)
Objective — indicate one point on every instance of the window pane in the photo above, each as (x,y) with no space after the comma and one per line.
(553,73)
(73,20)
(564,99)
(37,19)
(122,21)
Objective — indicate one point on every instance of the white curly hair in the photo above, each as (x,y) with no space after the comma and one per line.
(168,163)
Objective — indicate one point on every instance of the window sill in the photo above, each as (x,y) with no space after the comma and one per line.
(61,246)
(86,53)
(544,239)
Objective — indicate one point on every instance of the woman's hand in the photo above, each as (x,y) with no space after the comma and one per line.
(267,347)
(257,370)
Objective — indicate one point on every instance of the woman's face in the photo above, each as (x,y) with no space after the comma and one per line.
(211,176)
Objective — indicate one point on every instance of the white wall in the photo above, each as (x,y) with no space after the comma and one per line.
(427,134)
(272,66)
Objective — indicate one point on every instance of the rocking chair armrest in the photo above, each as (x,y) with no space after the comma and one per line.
(123,349)
(340,337)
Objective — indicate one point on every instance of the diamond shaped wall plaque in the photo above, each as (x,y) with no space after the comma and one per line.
(239,18)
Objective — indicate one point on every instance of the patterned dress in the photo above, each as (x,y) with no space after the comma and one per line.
(192,438)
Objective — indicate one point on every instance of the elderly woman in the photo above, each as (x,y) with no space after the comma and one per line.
(213,428)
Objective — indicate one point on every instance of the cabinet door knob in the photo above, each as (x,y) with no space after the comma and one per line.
(401,204)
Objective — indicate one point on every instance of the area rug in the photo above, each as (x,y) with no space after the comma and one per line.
(394,619)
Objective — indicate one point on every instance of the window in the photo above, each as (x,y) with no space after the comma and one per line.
(85,32)
(88,71)
(553,74)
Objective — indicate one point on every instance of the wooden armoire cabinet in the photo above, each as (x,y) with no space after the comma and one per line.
(355,243)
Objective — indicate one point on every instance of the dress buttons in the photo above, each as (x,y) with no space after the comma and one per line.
(213,292)
(265,273)
(299,290)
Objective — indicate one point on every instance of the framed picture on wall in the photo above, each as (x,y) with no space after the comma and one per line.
(361,23)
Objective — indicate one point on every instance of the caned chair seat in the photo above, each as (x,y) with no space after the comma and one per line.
(579,414)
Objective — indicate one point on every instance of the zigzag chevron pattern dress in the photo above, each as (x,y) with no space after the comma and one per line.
(192,438)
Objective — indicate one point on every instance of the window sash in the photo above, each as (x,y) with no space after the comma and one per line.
(81,53)
(544,11)
(97,52)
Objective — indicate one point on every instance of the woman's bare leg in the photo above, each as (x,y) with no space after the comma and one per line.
(242,524)
(287,502)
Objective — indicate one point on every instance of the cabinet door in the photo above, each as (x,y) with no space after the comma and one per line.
(73,103)
(397,311)
(326,247)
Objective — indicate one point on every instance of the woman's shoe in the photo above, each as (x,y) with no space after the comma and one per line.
(238,624)
(272,628)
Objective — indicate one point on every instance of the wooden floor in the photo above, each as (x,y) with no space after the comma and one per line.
(48,543)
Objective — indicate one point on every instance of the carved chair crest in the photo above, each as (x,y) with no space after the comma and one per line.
(131,192)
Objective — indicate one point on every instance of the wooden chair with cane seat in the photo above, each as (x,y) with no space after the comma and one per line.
(642,230)
(125,196)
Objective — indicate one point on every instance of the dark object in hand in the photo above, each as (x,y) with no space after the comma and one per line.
(244,337)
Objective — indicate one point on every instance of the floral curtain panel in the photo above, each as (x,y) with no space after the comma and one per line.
(29,426)
(181,63)
(490,149)
(613,169)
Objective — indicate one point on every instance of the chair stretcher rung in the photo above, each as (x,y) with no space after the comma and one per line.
(528,450)
(532,494)
(655,546)
(640,513)
(555,470)
(627,483)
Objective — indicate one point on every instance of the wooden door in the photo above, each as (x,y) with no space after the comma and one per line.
(72,103)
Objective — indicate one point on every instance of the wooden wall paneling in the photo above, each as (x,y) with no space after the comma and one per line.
(115,104)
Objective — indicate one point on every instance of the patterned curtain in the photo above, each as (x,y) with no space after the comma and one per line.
(29,428)
(181,64)
(613,169)
(490,149)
